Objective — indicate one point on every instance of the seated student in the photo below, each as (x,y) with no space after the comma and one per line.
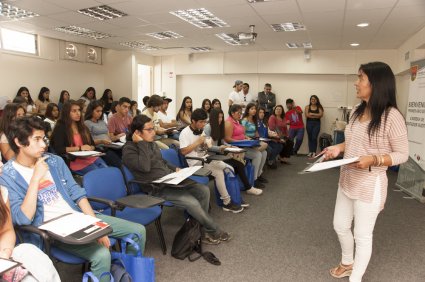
(184,113)
(99,132)
(114,108)
(234,131)
(142,157)
(31,107)
(42,101)
(88,96)
(275,145)
(119,122)
(206,106)
(134,111)
(63,98)
(192,144)
(32,258)
(106,101)
(145,102)
(215,130)
(71,135)
(216,104)
(11,112)
(278,123)
(42,188)
(165,120)
(52,115)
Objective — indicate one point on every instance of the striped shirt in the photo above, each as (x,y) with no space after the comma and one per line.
(391,139)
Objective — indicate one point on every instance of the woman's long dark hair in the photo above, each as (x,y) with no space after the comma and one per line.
(19,94)
(4,212)
(183,107)
(91,107)
(49,110)
(9,114)
(88,90)
(319,106)
(382,98)
(217,130)
(246,114)
(264,120)
(105,96)
(282,116)
(65,118)
(214,101)
(61,96)
(41,94)
(204,102)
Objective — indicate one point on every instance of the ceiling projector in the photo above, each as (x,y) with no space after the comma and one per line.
(248,37)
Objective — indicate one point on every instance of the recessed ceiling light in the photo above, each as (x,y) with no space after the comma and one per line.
(81,31)
(306,45)
(257,1)
(354,44)
(164,35)
(363,24)
(139,45)
(103,12)
(201,18)
(288,27)
(201,49)
(231,39)
(13,12)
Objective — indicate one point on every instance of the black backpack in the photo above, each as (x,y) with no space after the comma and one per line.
(188,243)
(325,140)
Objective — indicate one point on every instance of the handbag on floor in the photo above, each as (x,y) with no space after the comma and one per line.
(232,185)
(140,268)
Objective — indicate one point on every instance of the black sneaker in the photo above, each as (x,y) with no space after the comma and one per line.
(244,204)
(231,207)
(262,179)
(210,239)
(258,184)
(218,236)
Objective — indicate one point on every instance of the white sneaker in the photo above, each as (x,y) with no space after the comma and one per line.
(313,155)
(254,191)
(310,155)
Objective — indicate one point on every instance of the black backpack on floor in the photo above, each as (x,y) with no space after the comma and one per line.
(188,243)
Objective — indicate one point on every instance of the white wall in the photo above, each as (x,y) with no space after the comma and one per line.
(48,70)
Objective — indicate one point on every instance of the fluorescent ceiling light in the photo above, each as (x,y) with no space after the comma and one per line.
(305,45)
(13,12)
(103,12)
(201,18)
(288,27)
(164,35)
(257,1)
(81,31)
(363,24)
(231,39)
(201,49)
(139,45)
(354,44)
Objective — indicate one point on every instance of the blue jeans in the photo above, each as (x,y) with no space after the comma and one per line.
(313,129)
(99,163)
(195,199)
(298,134)
(273,150)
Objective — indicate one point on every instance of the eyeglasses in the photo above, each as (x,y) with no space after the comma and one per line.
(149,129)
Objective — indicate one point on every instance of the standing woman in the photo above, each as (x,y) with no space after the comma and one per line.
(313,113)
(42,101)
(278,124)
(377,134)
(185,113)
(11,112)
(215,130)
(71,135)
(107,100)
(63,98)
(24,92)
(36,264)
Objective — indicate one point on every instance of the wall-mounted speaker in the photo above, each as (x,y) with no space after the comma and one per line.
(94,55)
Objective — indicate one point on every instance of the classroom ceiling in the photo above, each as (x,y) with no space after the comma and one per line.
(329,24)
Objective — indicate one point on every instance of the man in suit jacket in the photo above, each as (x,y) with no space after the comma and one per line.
(267,99)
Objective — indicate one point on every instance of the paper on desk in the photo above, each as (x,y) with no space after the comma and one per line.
(234,150)
(317,166)
(68,224)
(117,143)
(6,264)
(85,153)
(177,177)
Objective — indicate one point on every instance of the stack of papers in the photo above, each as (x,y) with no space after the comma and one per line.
(321,165)
(176,177)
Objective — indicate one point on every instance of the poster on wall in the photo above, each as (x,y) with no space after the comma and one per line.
(411,177)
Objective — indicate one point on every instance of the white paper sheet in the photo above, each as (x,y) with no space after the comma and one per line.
(177,177)
(330,164)
(117,143)
(85,153)
(234,150)
(6,264)
(69,224)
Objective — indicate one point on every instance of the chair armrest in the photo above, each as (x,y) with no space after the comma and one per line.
(196,158)
(33,229)
(109,203)
(144,186)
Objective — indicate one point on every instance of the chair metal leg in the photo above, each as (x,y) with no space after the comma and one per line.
(161,235)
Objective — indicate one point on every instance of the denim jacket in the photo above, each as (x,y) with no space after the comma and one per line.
(17,187)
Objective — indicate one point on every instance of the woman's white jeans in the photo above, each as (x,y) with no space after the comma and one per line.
(364,215)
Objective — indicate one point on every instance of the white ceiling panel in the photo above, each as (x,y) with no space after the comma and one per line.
(331,24)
